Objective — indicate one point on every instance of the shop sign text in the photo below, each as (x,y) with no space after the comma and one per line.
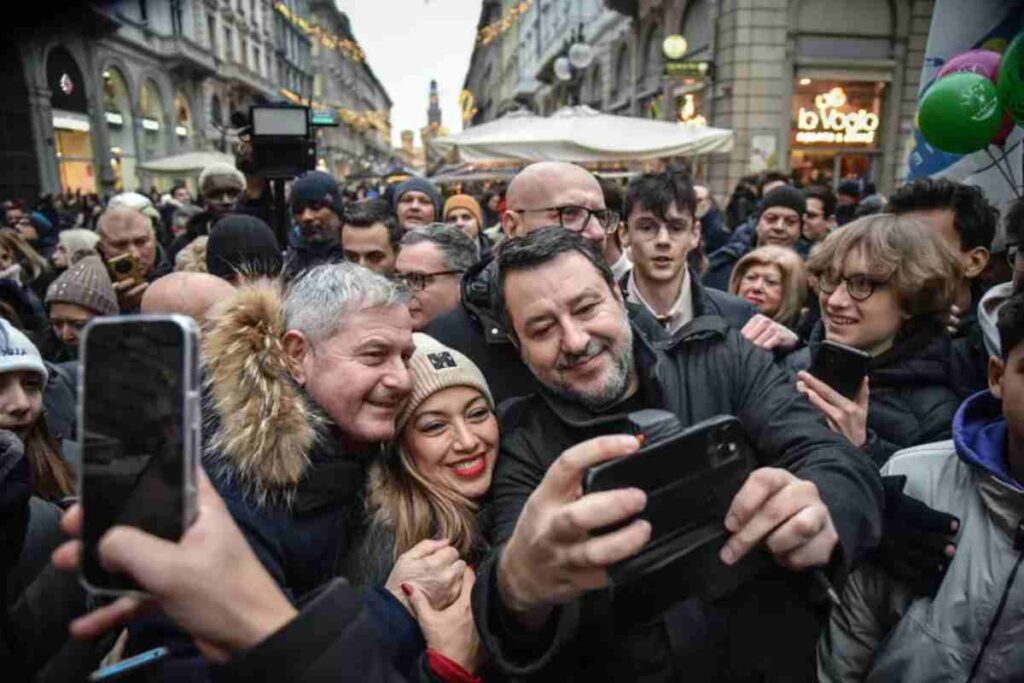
(828,124)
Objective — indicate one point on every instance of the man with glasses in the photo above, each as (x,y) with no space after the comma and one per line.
(661,230)
(547,194)
(430,263)
(780,223)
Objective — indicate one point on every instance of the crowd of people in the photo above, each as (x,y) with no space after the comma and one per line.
(401,403)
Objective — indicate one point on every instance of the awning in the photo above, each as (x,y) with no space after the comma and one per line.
(189,162)
(580,134)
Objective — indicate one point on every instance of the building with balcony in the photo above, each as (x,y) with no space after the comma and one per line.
(345,86)
(768,65)
(111,85)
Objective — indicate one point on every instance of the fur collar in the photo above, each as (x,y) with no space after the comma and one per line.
(266,426)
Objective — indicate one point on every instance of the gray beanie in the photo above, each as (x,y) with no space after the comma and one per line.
(85,283)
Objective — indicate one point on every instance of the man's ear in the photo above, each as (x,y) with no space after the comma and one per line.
(510,223)
(996,368)
(297,348)
(975,262)
(697,227)
(623,231)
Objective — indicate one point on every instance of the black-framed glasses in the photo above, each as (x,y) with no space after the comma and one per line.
(417,282)
(860,287)
(576,218)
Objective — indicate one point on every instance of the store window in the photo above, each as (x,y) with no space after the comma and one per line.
(154,124)
(182,121)
(836,130)
(71,125)
(117,111)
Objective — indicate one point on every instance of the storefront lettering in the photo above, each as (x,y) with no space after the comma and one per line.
(827,123)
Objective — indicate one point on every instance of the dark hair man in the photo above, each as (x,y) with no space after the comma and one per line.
(882,628)
(431,263)
(317,211)
(221,186)
(820,216)
(417,202)
(543,195)
(370,236)
(661,231)
(614,255)
(848,197)
(541,603)
(779,221)
(964,218)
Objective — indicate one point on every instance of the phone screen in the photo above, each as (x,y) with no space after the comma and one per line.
(133,430)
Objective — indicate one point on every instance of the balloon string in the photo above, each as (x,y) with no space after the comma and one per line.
(1002,172)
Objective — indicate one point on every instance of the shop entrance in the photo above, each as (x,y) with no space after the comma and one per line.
(836,131)
(820,167)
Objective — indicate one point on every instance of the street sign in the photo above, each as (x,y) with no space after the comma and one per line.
(688,69)
(323,118)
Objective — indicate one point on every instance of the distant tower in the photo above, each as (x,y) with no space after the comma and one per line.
(434,110)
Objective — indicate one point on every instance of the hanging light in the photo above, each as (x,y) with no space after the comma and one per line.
(563,69)
(581,55)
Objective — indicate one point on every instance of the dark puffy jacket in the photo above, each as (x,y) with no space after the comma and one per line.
(767,629)
(305,256)
(712,230)
(723,260)
(473,329)
(912,400)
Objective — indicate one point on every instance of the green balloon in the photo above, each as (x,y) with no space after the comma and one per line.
(960,113)
(1011,79)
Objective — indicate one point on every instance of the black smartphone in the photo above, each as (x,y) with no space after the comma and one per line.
(139,430)
(691,477)
(841,367)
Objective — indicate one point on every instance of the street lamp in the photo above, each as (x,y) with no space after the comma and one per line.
(570,66)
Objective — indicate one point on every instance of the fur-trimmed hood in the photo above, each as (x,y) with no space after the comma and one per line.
(263,425)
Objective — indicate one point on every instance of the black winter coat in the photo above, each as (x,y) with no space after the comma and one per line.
(767,630)
(912,399)
(706,301)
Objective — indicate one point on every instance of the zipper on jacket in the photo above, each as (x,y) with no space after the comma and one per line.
(1018,545)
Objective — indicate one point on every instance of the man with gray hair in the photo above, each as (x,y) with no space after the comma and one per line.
(128,231)
(431,262)
(304,387)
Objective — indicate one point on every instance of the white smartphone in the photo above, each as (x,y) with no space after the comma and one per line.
(139,430)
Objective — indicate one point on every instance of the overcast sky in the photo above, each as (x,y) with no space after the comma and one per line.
(409,42)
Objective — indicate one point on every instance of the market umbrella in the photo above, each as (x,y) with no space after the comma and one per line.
(189,162)
(581,134)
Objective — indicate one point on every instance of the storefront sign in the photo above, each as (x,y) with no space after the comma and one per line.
(151,124)
(687,69)
(832,123)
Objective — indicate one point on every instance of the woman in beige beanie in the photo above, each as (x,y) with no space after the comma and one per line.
(425,498)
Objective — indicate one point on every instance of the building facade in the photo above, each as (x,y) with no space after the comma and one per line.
(345,85)
(112,85)
(820,89)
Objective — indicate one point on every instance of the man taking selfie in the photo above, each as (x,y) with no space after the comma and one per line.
(541,601)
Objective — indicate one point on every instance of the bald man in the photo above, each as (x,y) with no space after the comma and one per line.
(543,195)
(186,293)
(124,230)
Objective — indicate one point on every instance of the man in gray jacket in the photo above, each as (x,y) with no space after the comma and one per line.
(972,629)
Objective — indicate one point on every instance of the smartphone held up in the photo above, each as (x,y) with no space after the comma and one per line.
(139,425)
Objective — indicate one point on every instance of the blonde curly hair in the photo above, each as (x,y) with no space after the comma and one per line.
(192,259)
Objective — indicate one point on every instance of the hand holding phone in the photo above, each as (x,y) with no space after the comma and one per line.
(841,367)
(139,429)
(125,268)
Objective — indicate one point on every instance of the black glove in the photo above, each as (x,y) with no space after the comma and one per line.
(915,539)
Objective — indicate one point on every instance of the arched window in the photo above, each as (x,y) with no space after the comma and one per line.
(71,124)
(216,111)
(154,121)
(117,110)
(182,121)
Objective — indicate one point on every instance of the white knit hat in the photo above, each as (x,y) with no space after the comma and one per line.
(18,353)
(434,367)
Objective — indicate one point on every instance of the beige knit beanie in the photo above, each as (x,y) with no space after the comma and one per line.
(434,367)
(85,284)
